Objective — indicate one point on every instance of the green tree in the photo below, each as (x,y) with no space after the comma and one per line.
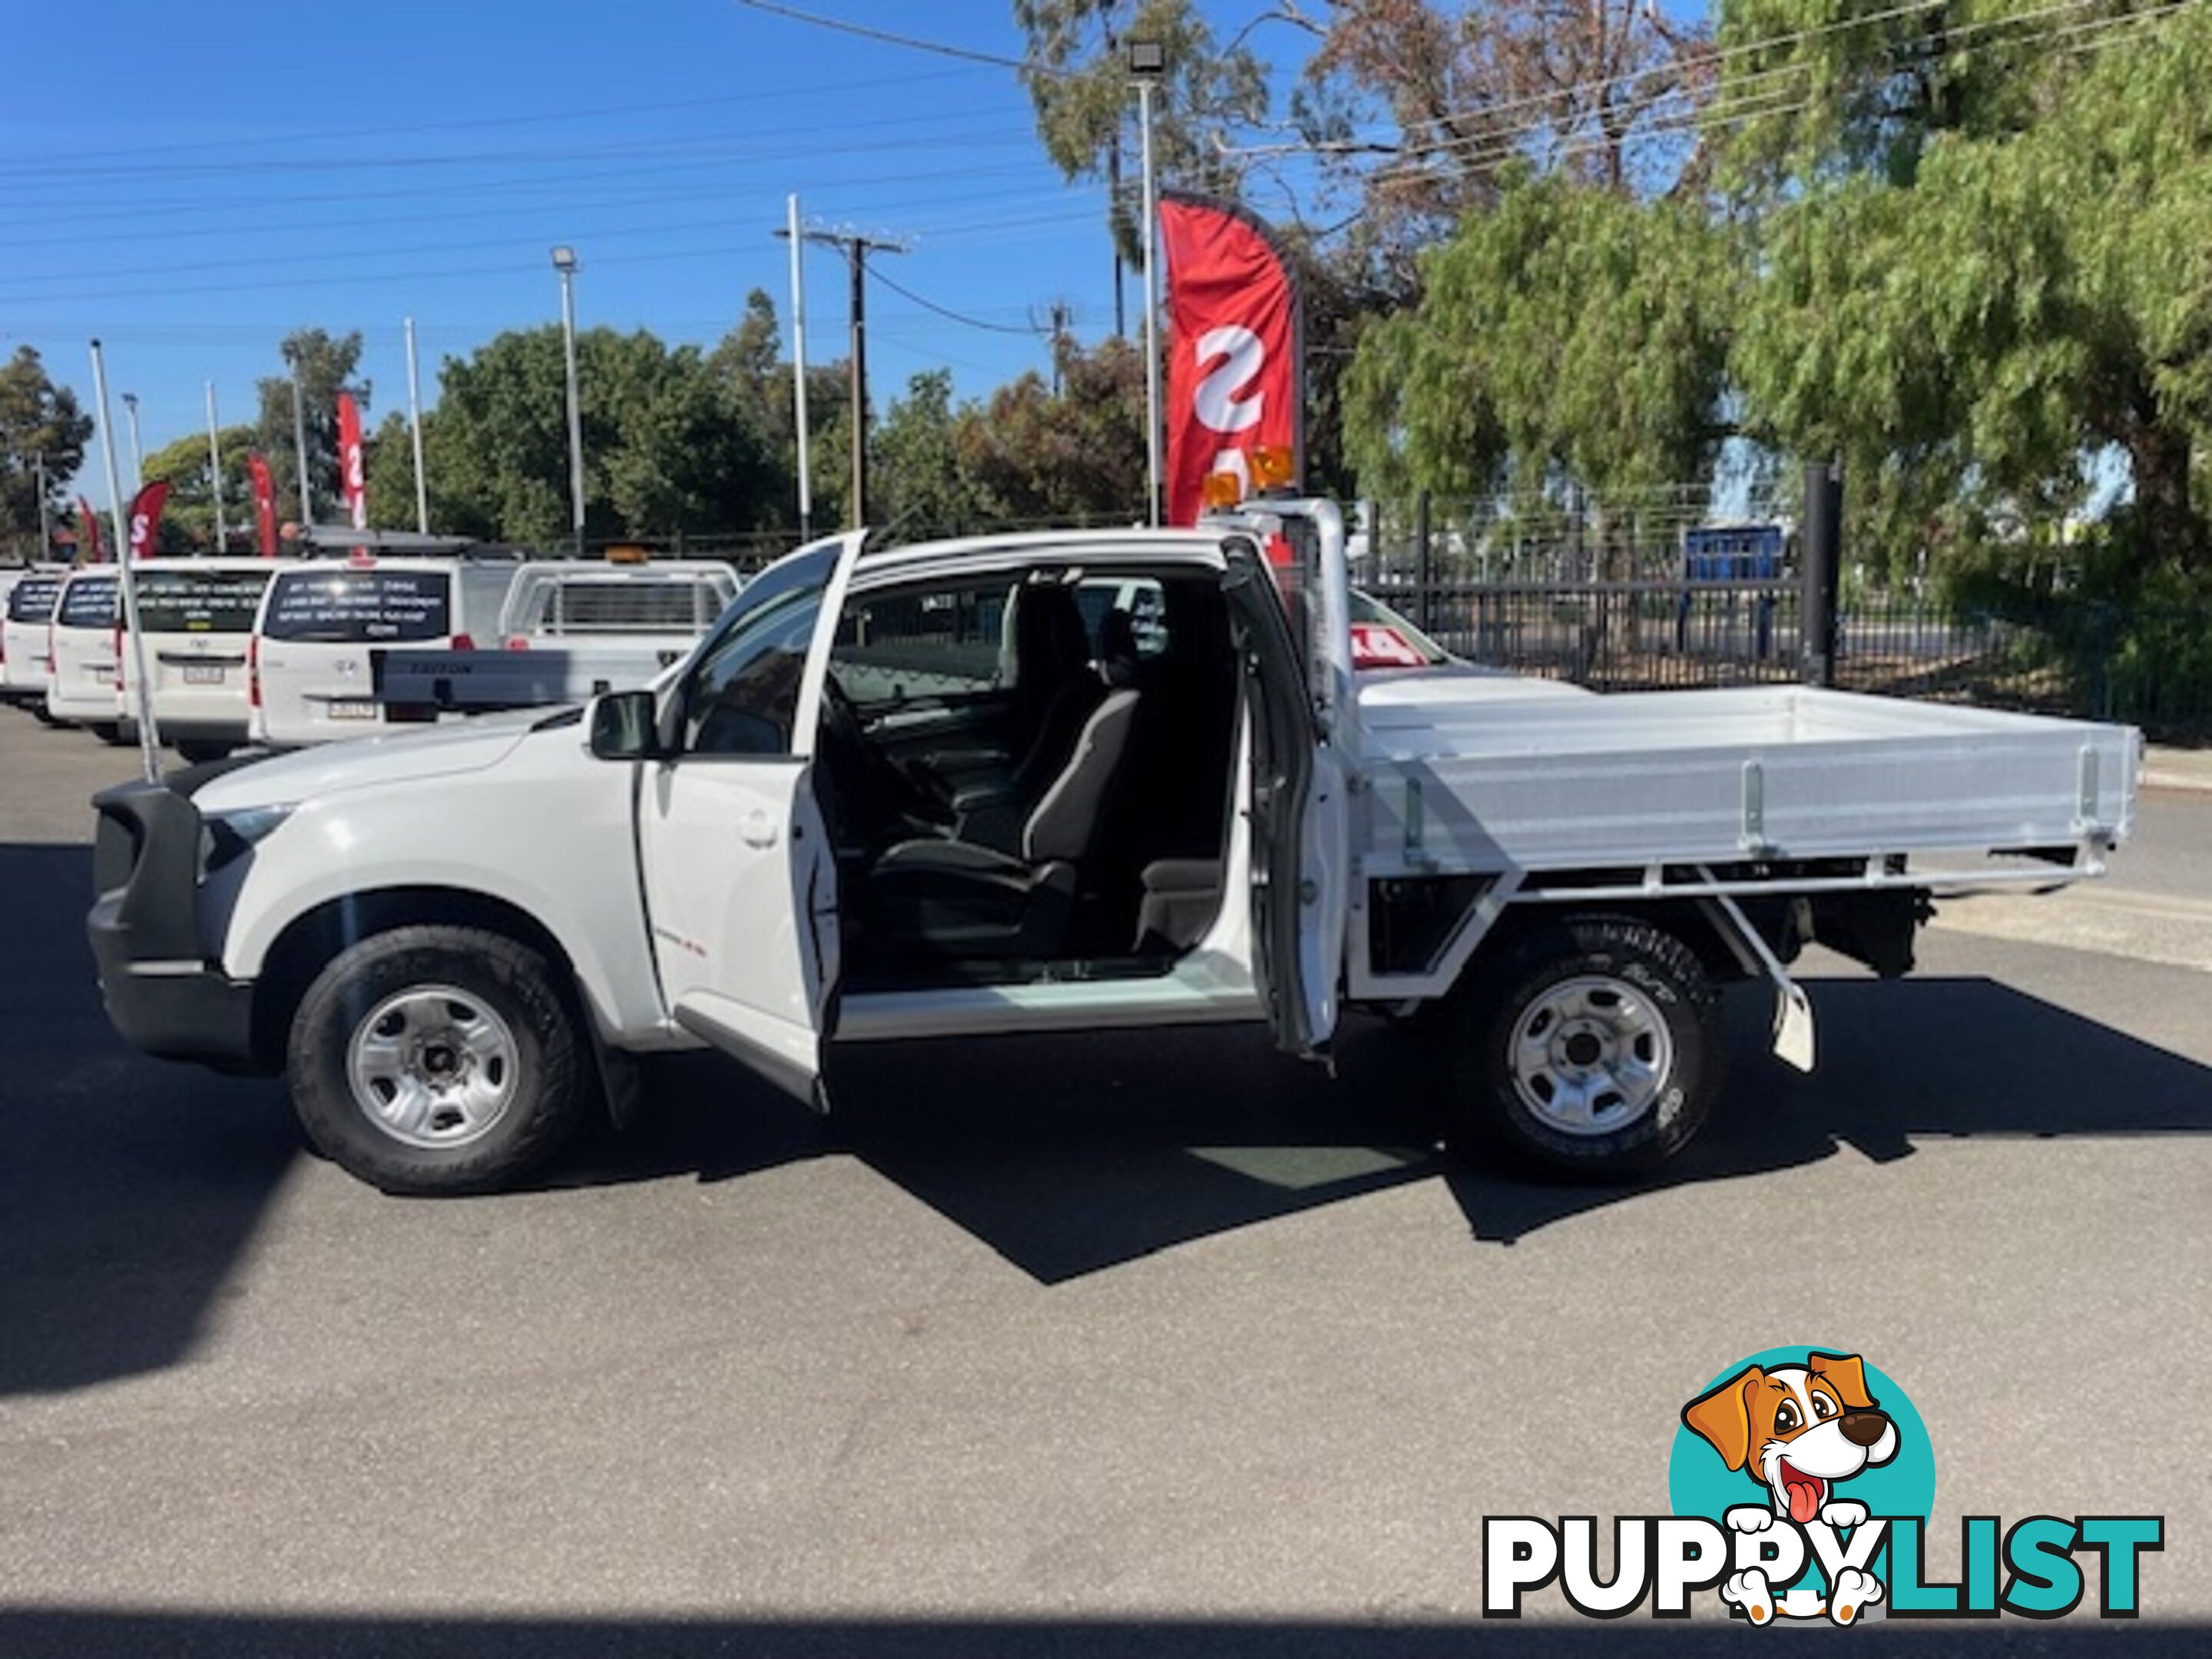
(1039,456)
(388,459)
(1987,270)
(1569,333)
(667,450)
(1425,111)
(37,418)
(749,360)
(323,365)
(1078,82)
(188,521)
(922,484)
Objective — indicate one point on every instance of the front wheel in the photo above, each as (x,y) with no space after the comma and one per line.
(437,1059)
(1590,1049)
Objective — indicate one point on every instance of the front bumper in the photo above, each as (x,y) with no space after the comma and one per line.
(162,995)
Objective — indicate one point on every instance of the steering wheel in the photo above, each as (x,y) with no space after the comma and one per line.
(883,789)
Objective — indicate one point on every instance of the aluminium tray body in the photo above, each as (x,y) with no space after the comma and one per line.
(1481,775)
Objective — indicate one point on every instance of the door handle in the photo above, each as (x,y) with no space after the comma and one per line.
(759,829)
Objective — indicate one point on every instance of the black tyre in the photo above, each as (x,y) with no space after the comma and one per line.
(1589,1049)
(438,1060)
(109,731)
(198,754)
(38,713)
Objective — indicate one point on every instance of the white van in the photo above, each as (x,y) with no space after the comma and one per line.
(198,615)
(82,644)
(23,662)
(325,623)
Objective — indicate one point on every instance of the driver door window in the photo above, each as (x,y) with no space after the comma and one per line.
(743,697)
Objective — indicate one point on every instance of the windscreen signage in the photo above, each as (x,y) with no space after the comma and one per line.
(359,606)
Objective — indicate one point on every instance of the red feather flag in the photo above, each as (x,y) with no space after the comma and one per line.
(87,533)
(1236,352)
(146,520)
(354,474)
(264,503)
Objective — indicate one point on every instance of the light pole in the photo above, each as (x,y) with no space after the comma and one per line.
(1148,64)
(564,261)
(137,461)
(300,439)
(215,466)
(126,582)
(415,423)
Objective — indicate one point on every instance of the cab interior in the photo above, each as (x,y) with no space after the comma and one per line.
(1027,775)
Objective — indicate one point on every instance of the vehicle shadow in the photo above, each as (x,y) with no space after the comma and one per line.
(1069,1155)
(36,1633)
(128,1188)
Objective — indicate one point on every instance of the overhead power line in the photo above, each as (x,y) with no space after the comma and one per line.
(1484,150)
(910,42)
(1494,134)
(1028,328)
(1775,101)
(567,118)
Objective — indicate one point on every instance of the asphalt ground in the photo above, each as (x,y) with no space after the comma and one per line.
(1155,1345)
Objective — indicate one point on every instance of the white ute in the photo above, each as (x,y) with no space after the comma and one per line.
(957,790)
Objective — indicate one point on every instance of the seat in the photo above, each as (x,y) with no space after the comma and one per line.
(962,899)
(992,812)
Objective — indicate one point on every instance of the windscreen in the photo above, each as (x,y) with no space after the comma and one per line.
(32,599)
(352,606)
(199,601)
(89,601)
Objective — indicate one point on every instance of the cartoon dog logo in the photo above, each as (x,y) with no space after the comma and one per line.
(1797,1429)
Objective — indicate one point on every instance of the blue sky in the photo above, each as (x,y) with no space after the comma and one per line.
(190,183)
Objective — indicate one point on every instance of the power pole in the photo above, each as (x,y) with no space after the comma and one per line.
(1061,316)
(856,247)
(1114,202)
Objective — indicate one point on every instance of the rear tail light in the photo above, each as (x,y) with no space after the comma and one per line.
(253,670)
(463,642)
(119,685)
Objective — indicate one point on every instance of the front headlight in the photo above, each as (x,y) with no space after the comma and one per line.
(230,835)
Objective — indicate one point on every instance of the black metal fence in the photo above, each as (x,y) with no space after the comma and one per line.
(1608,605)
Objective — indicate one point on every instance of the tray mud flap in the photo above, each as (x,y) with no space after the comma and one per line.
(1793,1010)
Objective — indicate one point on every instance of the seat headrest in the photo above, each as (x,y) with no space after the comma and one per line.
(1117,648)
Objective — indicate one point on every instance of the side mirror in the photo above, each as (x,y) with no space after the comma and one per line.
(625,727)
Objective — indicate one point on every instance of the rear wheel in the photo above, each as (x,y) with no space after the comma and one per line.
(198,754)
(109,731)
(1590,1049)
(437,1059)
